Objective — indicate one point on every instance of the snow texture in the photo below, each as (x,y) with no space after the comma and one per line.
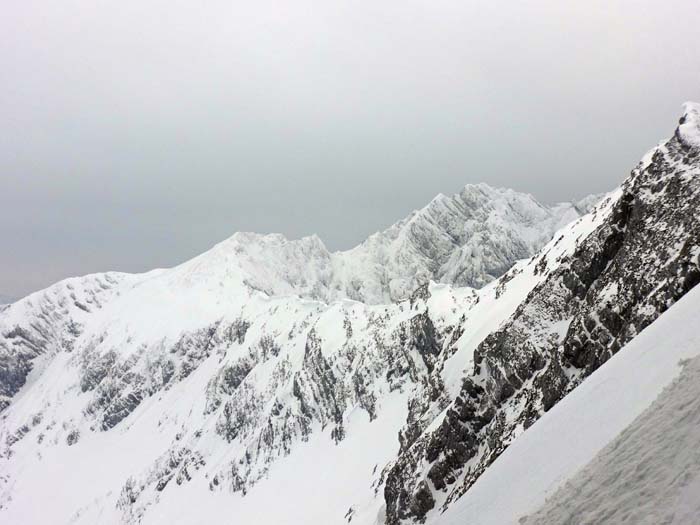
(648,474)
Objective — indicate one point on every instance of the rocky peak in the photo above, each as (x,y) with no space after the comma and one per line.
(642,258)
(688,131)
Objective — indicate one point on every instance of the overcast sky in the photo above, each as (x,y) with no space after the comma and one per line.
(136,134)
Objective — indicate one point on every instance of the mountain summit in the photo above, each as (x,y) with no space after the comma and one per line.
(468,239)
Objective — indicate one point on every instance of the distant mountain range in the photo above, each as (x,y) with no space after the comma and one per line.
(468,239)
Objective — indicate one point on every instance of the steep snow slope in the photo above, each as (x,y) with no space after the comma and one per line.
(649,474)
(642,425)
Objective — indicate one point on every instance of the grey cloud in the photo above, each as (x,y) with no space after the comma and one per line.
(137,134)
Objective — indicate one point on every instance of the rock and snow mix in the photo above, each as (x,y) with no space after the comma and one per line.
(640,459)
(689,127)
(266,380)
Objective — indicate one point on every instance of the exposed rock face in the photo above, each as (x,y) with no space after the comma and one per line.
(643,258)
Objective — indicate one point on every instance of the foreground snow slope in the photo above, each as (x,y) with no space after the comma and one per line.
(638,471)
(649,474)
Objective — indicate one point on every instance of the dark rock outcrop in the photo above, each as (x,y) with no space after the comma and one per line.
(643,258)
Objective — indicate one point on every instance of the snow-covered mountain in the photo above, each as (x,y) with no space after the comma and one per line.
(252,382)
(468,239)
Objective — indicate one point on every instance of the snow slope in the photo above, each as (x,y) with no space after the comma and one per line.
(651,460)
(649,474)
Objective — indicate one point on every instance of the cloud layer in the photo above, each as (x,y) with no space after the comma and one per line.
(137,134)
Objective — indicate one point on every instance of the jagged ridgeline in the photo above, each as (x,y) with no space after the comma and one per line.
(371,386)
